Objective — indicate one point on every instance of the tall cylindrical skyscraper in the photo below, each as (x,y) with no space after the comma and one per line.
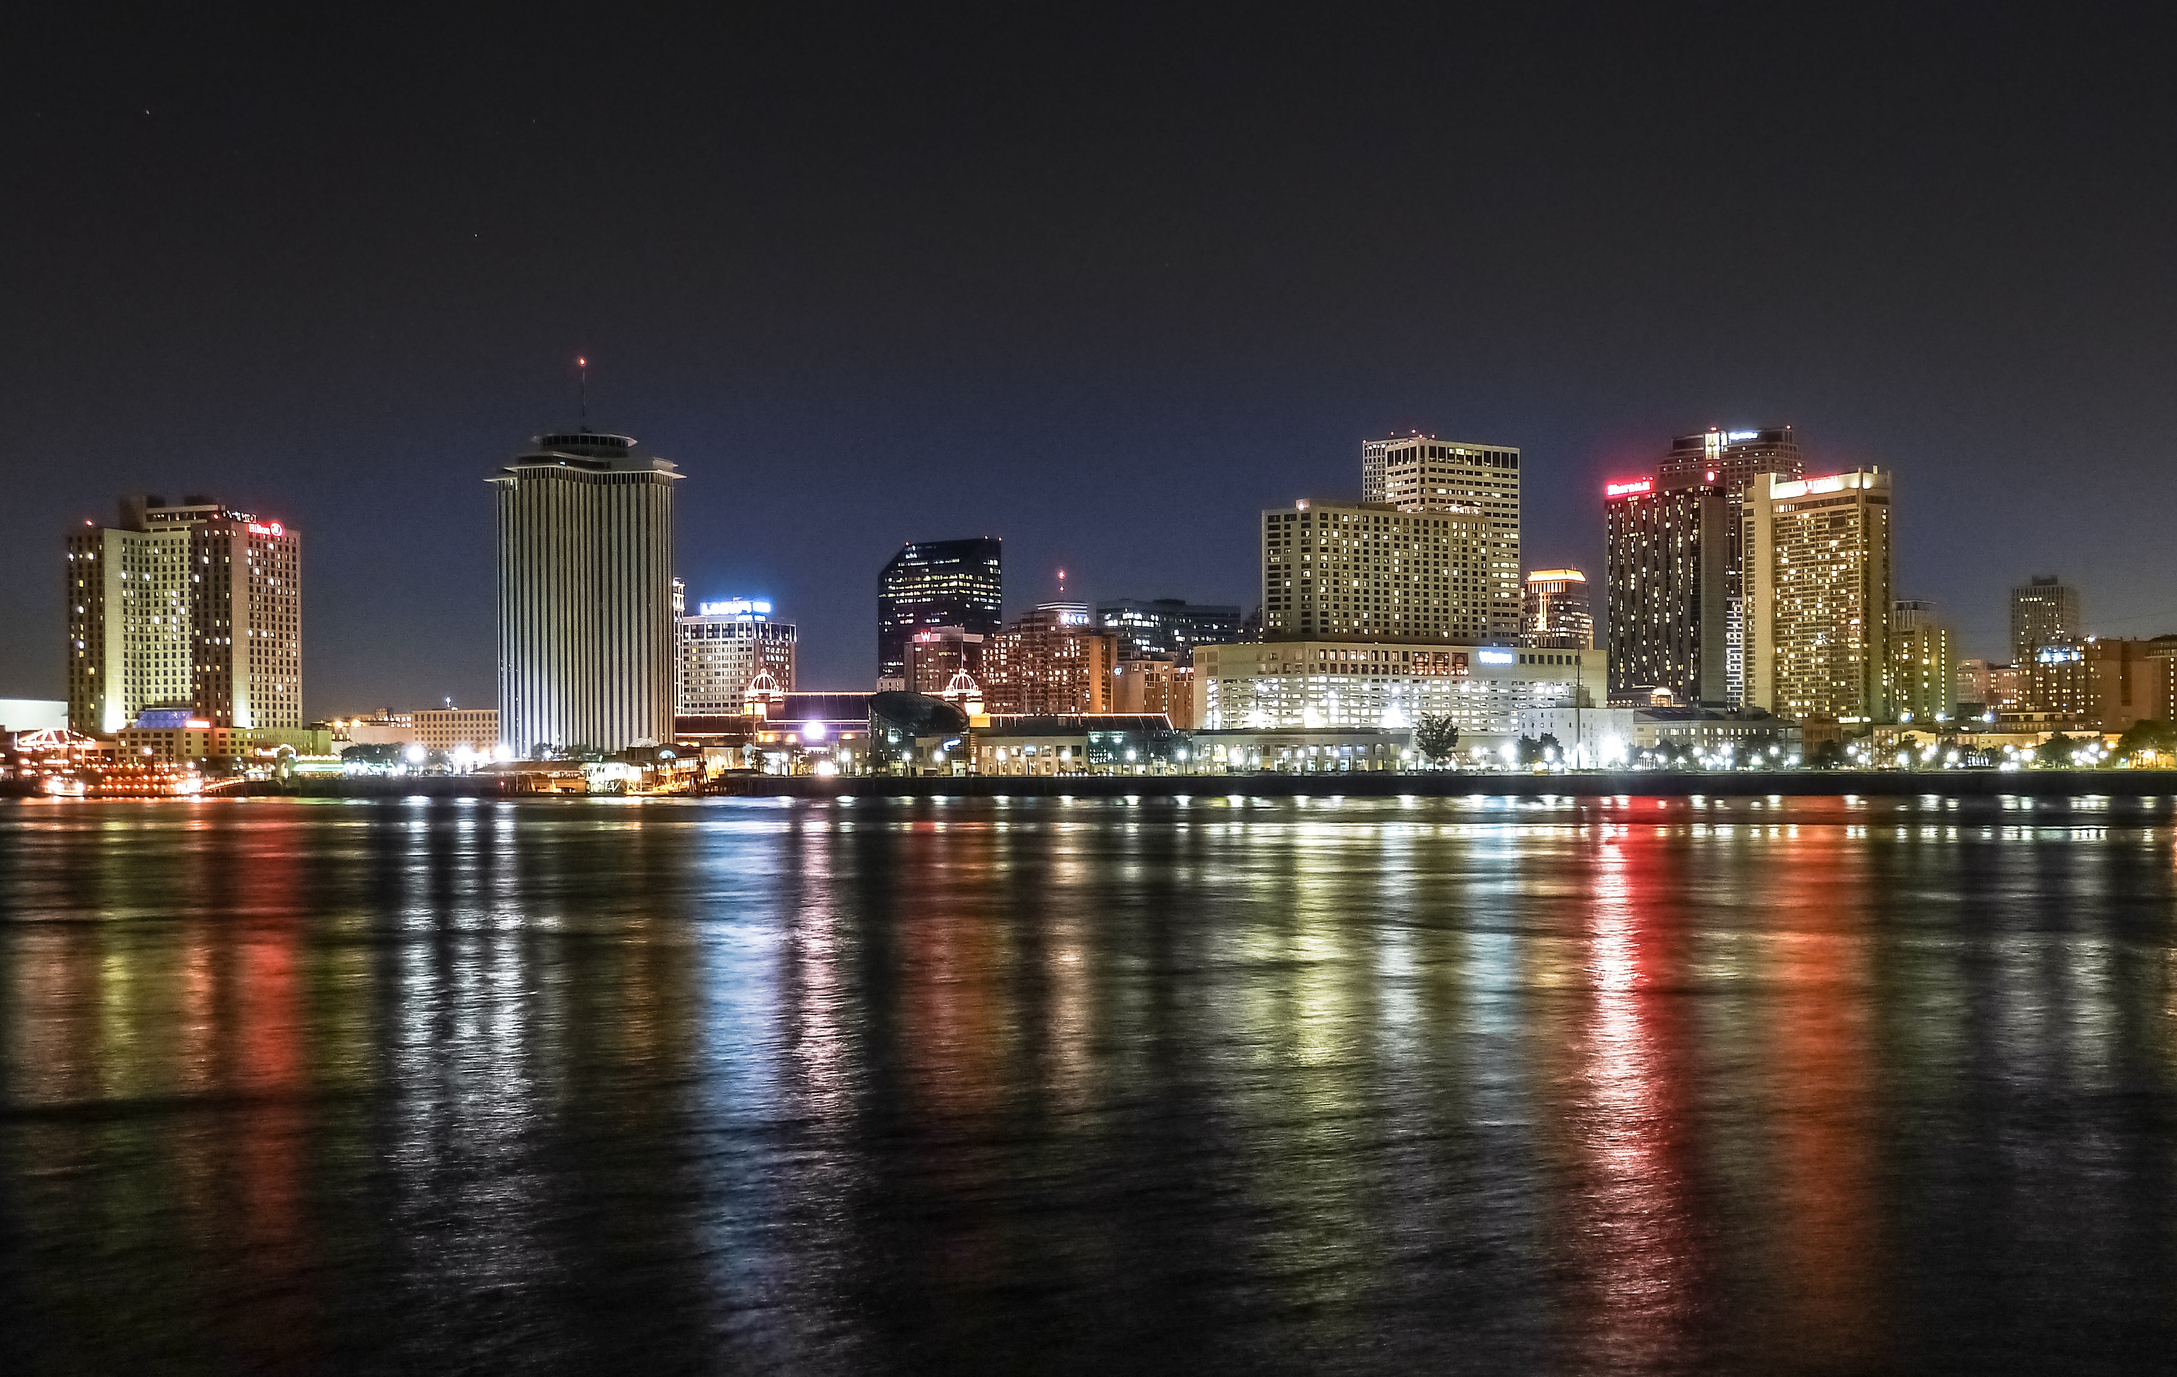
(586,632)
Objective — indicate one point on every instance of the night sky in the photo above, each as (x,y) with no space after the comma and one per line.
(1104,286)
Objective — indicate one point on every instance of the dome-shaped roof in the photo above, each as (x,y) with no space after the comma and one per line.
(763,686)
(962,685)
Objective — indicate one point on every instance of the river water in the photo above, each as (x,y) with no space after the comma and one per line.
(1035,1085)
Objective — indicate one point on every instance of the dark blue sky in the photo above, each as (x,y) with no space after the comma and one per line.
(1102,285)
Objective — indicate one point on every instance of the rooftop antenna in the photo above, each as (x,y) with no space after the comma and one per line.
(584,366)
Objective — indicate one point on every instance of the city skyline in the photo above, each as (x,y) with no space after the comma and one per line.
(1073,299)
(1019,603)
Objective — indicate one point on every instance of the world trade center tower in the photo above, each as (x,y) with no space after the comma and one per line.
(586,629)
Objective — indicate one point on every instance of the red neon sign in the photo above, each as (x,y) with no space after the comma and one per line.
(274,529)
(1629,487)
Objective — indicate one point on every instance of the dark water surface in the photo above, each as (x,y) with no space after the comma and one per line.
(1032,1085)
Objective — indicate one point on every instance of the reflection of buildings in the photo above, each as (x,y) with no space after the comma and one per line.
(193,606)
(936,583)
(585,554)
(724,647)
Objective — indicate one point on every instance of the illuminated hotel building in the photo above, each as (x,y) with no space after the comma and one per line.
(586,634)
(1818,596)
(1368,571)
(1556,611)
(2043,612)
(1666,554)
(1480,482)
(1678,584)
(196,605)
(722,649)
(1347,684)
(1923,662)
(936,583)
(1054,661)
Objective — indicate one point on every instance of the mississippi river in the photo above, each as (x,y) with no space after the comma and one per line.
(1826,1085)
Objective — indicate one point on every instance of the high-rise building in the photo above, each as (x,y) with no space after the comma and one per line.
(1923,662)
(1818,596)
(1368,571)
(586,635)
(722,650)
(1730,459)
(1667,556)
(1421,473)
(194,606)
(1055,660)
(936,583)
(1556,612)
(1167,626)
(2043,612)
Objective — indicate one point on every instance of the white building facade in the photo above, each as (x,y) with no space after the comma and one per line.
(586,634)
(1345,684)
(722,649)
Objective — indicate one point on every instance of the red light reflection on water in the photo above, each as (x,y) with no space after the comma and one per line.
(1638,1251)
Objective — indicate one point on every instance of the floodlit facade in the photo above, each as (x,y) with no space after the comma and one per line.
(1818,596)
(722,650)
(2044,611)
(1480,482)
(1556,612)
(1348,684)
(194,605)
(1923,662)
(586,633)
(936,583)
(1360,570)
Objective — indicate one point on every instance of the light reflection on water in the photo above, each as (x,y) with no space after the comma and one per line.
(1634,1084)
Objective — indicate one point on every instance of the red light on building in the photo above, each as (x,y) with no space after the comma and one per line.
(1628,488)
(259,528)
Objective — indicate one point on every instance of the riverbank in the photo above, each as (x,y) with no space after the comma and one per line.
(2145,784)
